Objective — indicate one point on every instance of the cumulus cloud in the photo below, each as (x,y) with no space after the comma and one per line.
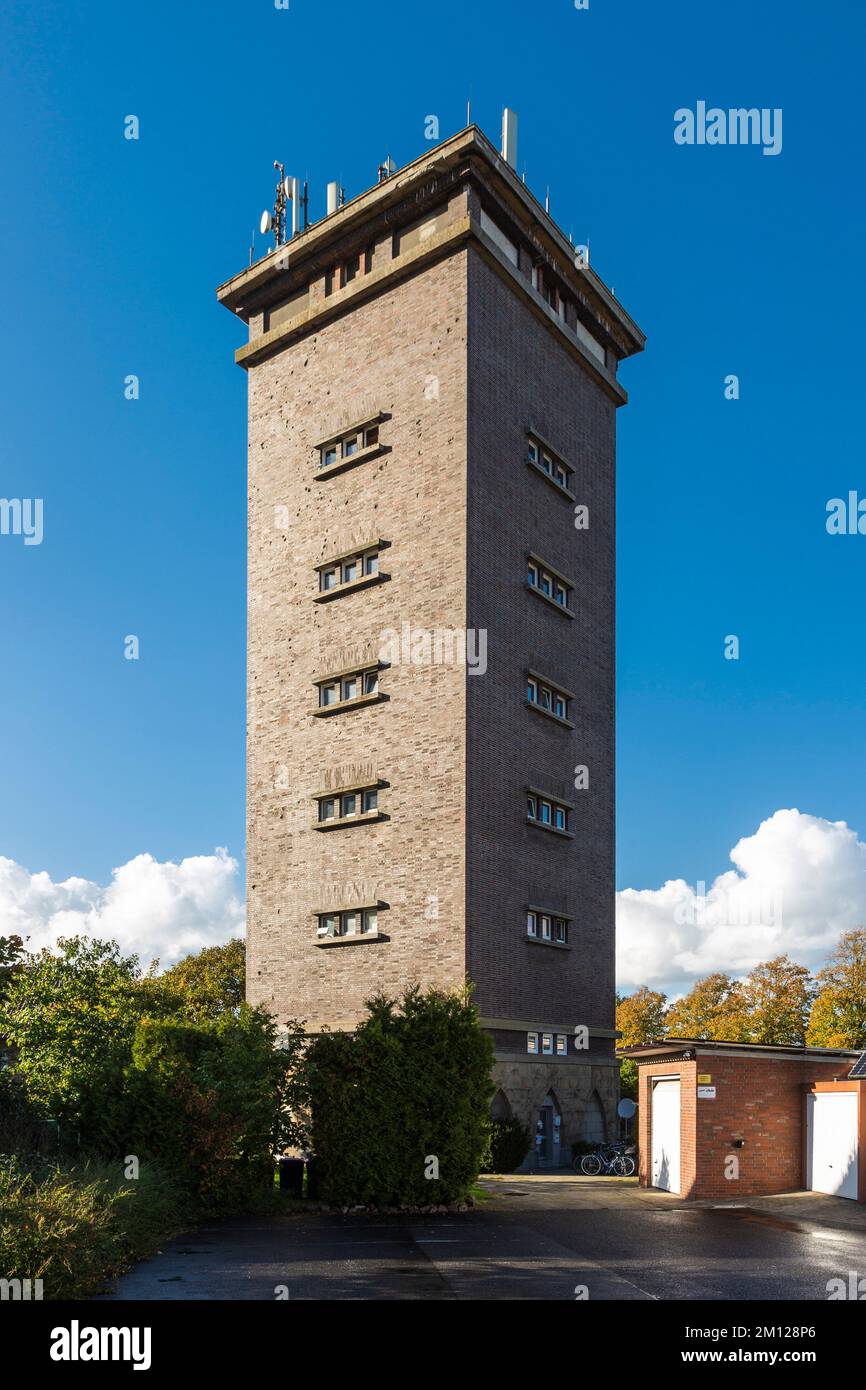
(796,885)
(151,909)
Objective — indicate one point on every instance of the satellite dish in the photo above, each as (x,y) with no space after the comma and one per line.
(626,1108)
(266,223)
(287,188)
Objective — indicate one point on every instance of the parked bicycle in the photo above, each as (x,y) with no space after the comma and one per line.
(608,1160)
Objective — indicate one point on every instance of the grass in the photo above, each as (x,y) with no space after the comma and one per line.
(73,1227)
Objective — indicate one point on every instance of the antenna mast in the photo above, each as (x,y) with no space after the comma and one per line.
(288,191)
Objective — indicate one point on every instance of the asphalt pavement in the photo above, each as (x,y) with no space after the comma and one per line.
(538,1237)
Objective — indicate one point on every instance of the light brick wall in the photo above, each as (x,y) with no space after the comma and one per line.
(415,497)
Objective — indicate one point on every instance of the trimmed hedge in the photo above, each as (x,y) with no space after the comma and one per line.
(399,1110)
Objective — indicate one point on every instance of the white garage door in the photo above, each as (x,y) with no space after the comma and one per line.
(666,1135)
(831,1143)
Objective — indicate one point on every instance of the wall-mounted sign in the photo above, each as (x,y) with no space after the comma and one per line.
(705,1079)
(706,1093)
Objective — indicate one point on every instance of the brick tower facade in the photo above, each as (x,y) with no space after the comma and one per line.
(432,404)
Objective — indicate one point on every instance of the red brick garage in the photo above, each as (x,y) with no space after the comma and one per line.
(738,1119)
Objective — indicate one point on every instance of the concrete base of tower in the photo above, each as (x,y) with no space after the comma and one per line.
(560,1101)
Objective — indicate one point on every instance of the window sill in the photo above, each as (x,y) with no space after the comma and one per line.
(352,428)
(559,487)
(362,456)
(549,714)
(356,939)
(552,829)
(540,941)
(545,598)
(365,582)
(340,822)
(342,706)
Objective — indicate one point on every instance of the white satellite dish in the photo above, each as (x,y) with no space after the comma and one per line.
(287,188)
(266,223)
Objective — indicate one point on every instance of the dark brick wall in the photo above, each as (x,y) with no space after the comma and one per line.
(520,374)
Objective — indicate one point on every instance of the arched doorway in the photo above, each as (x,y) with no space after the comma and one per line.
(593,1129)
(548,1132)
(499,1106)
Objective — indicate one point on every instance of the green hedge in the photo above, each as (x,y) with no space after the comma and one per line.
(508,1144)
(108,1065)
(403,1099)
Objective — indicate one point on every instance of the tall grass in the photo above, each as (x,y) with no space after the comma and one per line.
(73,1227)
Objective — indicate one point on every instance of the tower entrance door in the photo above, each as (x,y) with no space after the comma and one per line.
(548,1132)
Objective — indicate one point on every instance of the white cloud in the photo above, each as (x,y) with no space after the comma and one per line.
(797,884)
(153,910)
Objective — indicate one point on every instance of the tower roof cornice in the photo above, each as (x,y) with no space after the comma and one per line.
(465,157)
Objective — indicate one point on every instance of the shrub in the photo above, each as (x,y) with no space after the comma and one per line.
(213,1102)
(109,1064)
(20,1130)
(75,1227)
(406,1095)
(509,1142)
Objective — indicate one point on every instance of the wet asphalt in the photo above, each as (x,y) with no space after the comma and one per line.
(532,1239)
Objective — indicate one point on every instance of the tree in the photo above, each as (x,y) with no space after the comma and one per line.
(640,1018)
(838,1017)
(12,956)
(72,1017)
(211,982)
(127,1069)
(774,1003)
(711,1009)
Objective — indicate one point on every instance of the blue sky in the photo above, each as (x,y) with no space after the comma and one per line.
(732,262)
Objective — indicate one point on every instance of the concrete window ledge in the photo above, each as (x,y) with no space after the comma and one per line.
(357,939)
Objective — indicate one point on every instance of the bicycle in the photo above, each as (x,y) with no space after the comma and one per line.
(609,1160)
